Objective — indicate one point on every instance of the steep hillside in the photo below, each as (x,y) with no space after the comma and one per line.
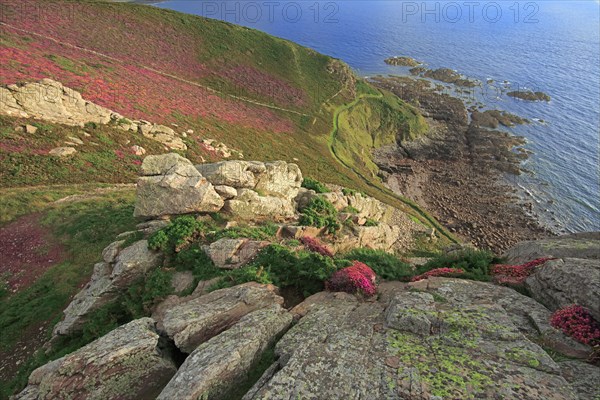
(265,96)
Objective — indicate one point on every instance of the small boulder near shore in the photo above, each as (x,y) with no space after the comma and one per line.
(403,61)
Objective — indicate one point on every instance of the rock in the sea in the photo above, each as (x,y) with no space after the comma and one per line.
(194,322)
(343,349)
(529,95)
(214,369)
(107,281)
(233,253)
(563,282)
(127,363)
(402,61)
(62,151)
(172,186)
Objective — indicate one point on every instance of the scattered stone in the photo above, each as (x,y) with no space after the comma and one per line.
(127,363)
(62,151)
(138,150)
(75,140)
(30,129)
(182,281)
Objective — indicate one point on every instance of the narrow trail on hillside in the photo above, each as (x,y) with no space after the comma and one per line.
(407,202)
(162,73)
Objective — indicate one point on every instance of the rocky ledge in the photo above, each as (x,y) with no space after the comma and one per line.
(439,338)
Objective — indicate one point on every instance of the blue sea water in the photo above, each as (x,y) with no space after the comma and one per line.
(551,46)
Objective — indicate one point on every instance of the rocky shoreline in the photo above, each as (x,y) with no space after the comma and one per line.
(459,169)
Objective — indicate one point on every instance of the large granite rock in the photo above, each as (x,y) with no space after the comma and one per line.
(560,283)
(380,237)
(271,179)
(193,322)
(233,253)
(579,245)
(218,365)
(172,186)
(127,363)
(120,268)
(51,101)
(583,377)
(411,345)
(250,206)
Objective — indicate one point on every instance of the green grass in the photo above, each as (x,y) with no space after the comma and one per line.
(84,228)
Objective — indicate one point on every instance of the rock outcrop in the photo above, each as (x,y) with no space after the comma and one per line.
(255,191)
(218,365)
(233,253)
(49,100)
(119,269)
(171,185)
(578,245)
(193,322)
(572,278)
(345,348)
(563,282)
(130,362)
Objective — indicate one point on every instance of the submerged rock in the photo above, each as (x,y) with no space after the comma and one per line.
(528,95)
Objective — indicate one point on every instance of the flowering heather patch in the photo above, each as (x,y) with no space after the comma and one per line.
(577,322)
(451,272)
(128,89)
(516,274)
(314,245)
(265,85)
(357,278)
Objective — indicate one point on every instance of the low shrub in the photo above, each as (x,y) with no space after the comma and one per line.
(386,265)
(261,232)
(371,222)
(320,213)
(357,278)
(448,272)
(475,264)
(304,270)
(177,234)
(313,184)
(577,322)
(314,245)
(196,260)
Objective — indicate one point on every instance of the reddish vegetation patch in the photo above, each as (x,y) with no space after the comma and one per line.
(265,85)
(516,274)
(27,249)
(438,272)
(577,322)
(314,245)
(127,88)
(357,278)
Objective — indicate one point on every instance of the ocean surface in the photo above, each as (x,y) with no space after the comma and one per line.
(550,46)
